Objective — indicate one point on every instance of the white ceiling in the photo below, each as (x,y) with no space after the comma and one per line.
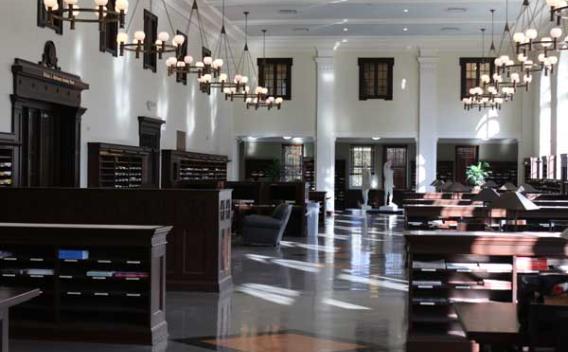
(368,18)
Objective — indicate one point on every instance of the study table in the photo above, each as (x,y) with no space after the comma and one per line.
(10,297)
(490,324)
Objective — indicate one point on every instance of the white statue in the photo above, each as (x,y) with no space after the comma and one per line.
(388,175)
(366,186)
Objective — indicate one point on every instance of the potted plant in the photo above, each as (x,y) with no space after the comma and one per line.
(477,174)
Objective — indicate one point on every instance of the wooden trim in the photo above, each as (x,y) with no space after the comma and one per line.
(42,20)
(150,61)
(107,44)
(363,94)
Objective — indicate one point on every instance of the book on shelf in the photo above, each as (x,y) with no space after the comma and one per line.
(73,254)
(528,264)
(429,265)
(496,267)
(39,272)
(100,273)
(433,283)
(462,266)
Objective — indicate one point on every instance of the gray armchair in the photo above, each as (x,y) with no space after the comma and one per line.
(267,230)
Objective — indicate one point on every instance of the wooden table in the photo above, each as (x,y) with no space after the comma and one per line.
(10,297)
(490,324)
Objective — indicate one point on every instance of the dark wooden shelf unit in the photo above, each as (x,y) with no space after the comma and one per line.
(445,170)
(340,184)
(503,172)
(185,167)
(445,267)
(309,173)
(257,169)
(116,295)
(7,167)
(119,166)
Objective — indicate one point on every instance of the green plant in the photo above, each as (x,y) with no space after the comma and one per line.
(273,170)
(476,174)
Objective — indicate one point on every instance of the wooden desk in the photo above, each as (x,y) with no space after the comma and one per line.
(10,297)
(493,324)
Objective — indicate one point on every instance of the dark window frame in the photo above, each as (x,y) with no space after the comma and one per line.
(42,20)
(363,91)
(288,62)
(464,61)
(298,170)
(107,41)
(150,61)
(405,167)
(182,52)
(353,167)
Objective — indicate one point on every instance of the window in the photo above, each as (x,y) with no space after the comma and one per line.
(276,75)
(108,34)
(471,71)
(397,154)
(151,30)
(182,52)
(362,157)
(375,78)
(292,156)
(43,21)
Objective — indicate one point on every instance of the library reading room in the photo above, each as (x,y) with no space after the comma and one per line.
(284,176)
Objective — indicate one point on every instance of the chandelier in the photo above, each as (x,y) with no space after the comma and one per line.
(245,71)
(139,44)
(487,95)
(544,49)
(224,54)
(267,101)
(100,13)
(187,64)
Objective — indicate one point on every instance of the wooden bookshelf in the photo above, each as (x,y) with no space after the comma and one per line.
(7,167)
(503,172)
(445,171)
(180,168)
(119,166)
(470,267)
(340,184)
(112,289)
(309,173)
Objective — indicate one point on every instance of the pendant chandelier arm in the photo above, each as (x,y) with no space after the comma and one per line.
(129,25)
(169,17)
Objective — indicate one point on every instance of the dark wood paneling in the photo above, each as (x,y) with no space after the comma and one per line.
(194,244)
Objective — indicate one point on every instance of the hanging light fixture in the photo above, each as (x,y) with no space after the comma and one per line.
(224,54)
(138,44)
(246,71)
(486,95)
(268,101)
(187,64)
(100,13)
(544,49)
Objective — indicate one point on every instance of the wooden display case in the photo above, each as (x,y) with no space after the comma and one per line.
(182,168)
(8,166)
(111,289)
(120,166)
(448,267)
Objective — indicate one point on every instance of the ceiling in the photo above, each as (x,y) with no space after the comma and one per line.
(363,18)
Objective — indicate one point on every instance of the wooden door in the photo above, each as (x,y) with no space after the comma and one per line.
(466,155)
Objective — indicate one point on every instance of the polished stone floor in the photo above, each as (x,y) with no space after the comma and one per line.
(342,291)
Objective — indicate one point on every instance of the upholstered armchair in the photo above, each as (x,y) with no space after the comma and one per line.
(267,230)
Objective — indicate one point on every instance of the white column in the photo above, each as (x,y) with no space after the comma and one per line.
(426,148)
(235,164)
(325,138)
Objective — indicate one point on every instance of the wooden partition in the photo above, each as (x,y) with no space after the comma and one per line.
(199,246)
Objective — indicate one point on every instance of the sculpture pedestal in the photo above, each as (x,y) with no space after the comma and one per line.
(392,208)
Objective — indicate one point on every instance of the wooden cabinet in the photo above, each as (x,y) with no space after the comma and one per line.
(120,166)
(8,166)
(182,168)
(99,283)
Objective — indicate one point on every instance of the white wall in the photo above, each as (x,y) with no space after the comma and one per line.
(119,87)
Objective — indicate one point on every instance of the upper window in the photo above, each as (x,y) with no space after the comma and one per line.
(151,30)
(376,78)
(362,157)
(276,75)
(471,71)
(108,35)
(43,20)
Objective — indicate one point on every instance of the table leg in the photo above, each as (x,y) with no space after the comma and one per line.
(5,333)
